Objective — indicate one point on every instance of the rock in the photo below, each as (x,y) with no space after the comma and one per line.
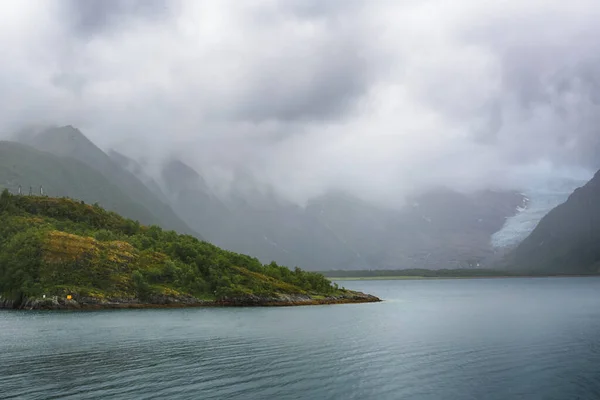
(160,301)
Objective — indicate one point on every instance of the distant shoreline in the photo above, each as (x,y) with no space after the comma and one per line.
(413,278)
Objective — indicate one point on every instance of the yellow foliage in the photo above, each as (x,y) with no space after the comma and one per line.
(150,259)
(122,279)
(119,252)
(29,220)
(63,247)
(269,280)
(167,291)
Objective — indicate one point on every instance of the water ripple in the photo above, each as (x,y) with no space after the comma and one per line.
(492,339)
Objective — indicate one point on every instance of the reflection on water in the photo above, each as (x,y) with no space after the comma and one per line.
(433,339)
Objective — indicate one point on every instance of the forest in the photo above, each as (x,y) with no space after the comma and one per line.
(64,247)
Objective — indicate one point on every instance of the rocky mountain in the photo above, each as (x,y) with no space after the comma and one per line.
(135,168)
(439,229)
(26,167)
(69,142)
(567,239)
(249,221)
(540,198)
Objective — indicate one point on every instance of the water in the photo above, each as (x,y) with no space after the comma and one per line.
(431,339)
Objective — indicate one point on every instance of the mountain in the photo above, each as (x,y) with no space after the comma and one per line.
(61,253)
(249,221)
(25,166)
(567,239)
(438,229)
(138,171)
(68,141)
(540,199)
(190,198)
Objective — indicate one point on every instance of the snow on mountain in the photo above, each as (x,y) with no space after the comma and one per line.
(540,200)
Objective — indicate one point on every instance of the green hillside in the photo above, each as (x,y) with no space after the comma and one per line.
(61,247)
(69,142)
(61,176)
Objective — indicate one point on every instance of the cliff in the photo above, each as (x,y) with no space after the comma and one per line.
(567,239)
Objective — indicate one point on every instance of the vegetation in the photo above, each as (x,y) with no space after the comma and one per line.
(62,176)
(66,163)
(59,246)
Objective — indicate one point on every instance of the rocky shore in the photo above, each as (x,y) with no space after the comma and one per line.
(91,303)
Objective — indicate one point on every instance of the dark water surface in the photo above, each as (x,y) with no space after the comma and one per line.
(431,339)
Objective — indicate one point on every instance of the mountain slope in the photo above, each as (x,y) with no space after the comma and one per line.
(60,253)
(249,221)
(567,239)
(440,229)
(25,166)
(68,141)
(541,199)
(138,171)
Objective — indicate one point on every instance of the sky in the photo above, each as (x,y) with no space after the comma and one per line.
(381,98)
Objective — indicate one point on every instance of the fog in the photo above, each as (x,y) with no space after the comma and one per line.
(382,99)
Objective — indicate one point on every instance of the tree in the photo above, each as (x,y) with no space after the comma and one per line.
(5,200)
(55,246)
(140,284)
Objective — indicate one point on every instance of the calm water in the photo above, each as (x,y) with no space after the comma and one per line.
(433,339)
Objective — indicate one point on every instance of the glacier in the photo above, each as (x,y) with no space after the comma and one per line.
(540,199)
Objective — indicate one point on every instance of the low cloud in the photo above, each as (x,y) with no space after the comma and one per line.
(382,99)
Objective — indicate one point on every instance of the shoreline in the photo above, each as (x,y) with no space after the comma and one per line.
(91,304)
(410,277)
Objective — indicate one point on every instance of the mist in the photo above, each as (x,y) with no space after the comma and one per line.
(381,99)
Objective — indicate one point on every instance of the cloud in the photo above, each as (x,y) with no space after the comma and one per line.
(89,18)
(381,98)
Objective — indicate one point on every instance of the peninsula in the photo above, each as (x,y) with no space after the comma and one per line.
(59,253)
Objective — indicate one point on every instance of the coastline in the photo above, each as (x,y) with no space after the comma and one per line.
(409,277)
(88,303)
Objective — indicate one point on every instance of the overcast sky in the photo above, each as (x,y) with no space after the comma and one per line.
(378,97)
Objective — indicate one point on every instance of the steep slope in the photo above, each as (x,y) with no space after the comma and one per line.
(440,229)
(250,221)
(22,165)
(138,171)
(68,141)
(57,253)
(540,200)
(192,199)
(567,239)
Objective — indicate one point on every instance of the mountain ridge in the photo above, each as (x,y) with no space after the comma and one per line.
(441,228)
(339,230)
(566,239)
(68,141)
(24,166)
